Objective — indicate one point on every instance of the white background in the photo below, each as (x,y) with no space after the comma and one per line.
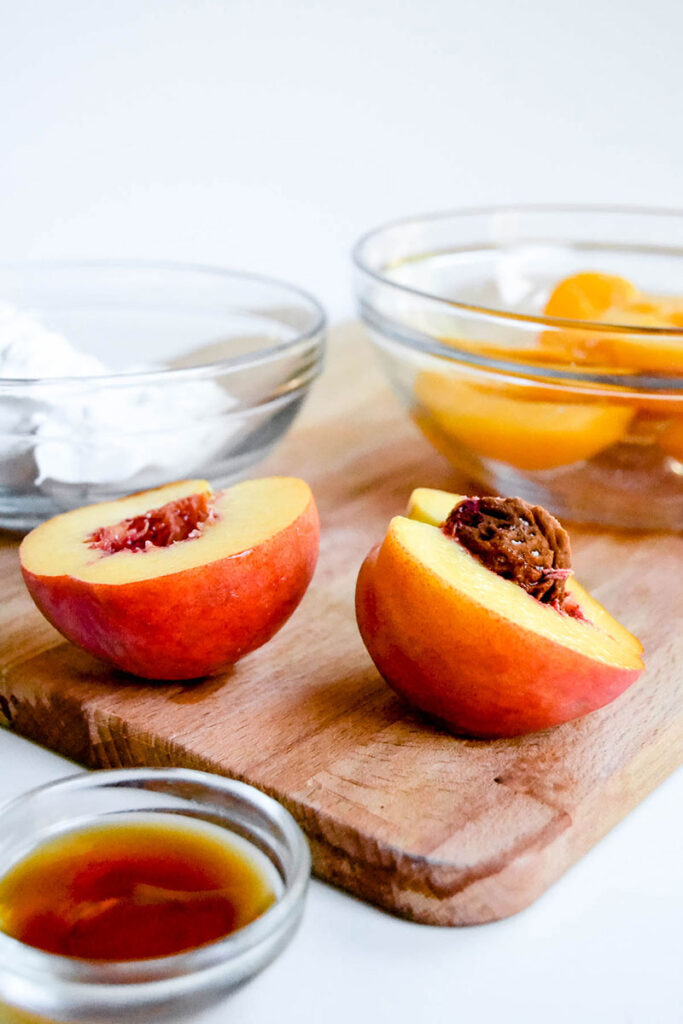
(267,135)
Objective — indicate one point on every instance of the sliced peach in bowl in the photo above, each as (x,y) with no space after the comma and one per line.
(589,295)
(177,582)
(528,434)
(671,439)
(476,650)
(660,352)
(603,298)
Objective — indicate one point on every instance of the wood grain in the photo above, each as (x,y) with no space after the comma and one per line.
(438,829)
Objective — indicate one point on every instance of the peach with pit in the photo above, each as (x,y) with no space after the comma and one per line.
(475,650)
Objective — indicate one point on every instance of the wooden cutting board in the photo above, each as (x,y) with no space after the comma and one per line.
(438,829)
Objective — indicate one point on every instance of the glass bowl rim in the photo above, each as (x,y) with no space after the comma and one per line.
(314,333)
(357,255)
(19,958)
(410,337)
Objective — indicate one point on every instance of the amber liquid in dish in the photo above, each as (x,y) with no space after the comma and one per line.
(136,889)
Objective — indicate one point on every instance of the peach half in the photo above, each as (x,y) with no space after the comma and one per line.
(176,582)
(474,649)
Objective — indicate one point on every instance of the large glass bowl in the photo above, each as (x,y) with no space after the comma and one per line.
(454,303)
(208,369)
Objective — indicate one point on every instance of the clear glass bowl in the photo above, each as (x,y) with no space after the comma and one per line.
(169,988)
(454,303)
(208,369)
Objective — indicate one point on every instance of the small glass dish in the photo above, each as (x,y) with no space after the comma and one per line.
(455,305)
(168,988)
(178,372)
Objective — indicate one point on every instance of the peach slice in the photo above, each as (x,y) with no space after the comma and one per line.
(671,439)
(603,298)
(177,582)
(475,650)
(589,295)
(661,353)
(528,434)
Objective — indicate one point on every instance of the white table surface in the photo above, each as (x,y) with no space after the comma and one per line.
(267,135)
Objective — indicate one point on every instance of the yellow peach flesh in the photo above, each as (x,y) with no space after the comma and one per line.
(530,435)
(671,439)
(58,547)
(431,506)
(454,566)
(588,296)
(602,298)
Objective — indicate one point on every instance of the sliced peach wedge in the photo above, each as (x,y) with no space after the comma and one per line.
(530,428)
(477,650)
(603,298)
(671,439)
(176,582)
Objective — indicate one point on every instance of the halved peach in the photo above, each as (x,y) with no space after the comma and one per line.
(528,434)
(176,582)
(475,650)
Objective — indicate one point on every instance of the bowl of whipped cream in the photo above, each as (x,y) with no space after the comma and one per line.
(118,377)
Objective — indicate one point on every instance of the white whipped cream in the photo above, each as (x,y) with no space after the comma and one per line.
(29,350)
(125,434)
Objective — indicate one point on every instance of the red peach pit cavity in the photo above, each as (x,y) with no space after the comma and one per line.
(160,527)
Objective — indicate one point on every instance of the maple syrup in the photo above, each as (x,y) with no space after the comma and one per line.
(151,885)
